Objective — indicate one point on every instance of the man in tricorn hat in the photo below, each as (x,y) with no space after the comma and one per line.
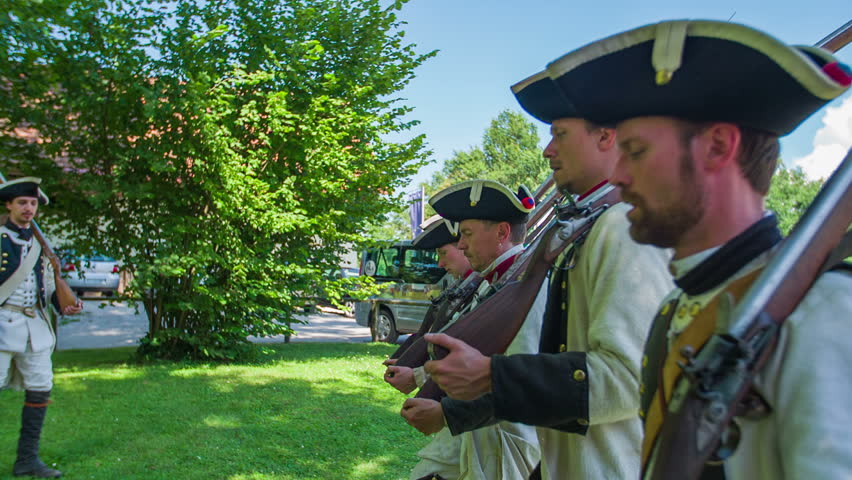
(492,227)
(580,388)
(441,235)
(699,107)
(26,335)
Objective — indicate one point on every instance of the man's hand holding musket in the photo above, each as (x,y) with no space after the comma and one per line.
(400,378)
(464,374)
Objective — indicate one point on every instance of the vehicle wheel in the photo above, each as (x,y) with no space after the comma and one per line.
(383,329)
(350,308)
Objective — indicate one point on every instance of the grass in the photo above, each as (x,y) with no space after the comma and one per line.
(303,411)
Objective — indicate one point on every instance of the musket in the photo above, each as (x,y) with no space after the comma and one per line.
(412,353)
(64,293)
(837,39)
(493,324)
(698,423)
(721,374)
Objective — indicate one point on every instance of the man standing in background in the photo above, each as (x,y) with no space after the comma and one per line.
(26,335)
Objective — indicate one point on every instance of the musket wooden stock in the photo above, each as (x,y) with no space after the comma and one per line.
(413,353)
(64,294)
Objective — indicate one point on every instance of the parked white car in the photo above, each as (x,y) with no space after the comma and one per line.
(97,273)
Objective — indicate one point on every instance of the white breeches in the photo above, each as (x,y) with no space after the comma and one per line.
(34,370)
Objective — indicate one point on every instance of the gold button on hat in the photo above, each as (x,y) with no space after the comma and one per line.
(579,375)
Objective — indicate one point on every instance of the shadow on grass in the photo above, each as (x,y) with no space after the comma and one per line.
(269,420)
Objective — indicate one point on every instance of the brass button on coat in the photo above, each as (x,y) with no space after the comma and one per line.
(579,375)
(582,422)
(563,348)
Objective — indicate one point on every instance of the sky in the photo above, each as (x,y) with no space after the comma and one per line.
(485,46)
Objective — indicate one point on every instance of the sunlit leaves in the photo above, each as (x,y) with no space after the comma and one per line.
(228,153)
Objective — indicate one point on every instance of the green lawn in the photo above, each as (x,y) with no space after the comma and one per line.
(305,411)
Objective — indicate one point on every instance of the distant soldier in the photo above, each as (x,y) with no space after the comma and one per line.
(492,227)
(699,107)
(26,335)
(442,236)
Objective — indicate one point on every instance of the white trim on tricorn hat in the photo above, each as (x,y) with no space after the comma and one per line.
(23,187)
(701,70)
(437,232)
(482,200)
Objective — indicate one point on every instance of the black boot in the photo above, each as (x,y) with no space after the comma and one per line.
(32,419)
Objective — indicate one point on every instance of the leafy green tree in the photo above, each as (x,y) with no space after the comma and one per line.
(226,152)
(510,154)
(394,225)
(789,196)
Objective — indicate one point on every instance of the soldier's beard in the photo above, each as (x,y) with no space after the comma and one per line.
(665,226)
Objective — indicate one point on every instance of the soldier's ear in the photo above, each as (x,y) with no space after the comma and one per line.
(717,146)
(605,138)
(504,231)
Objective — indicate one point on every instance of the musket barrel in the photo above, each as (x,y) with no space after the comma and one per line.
(837,39)
(833,202)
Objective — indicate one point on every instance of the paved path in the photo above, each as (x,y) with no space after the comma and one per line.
(102,325)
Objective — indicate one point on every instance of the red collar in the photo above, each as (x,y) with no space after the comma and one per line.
(467,273)
(592,190)
(500,269)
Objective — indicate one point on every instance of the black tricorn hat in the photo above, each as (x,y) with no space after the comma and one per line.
(437,232)
(483,200)
(23,187)
(542,99)
(700,70)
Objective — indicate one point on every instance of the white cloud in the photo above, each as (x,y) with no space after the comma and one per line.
(831,142)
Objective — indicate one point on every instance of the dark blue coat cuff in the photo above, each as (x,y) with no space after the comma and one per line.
(463,416)
(547,390)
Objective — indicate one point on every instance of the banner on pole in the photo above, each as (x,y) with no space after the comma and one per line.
(415,212)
